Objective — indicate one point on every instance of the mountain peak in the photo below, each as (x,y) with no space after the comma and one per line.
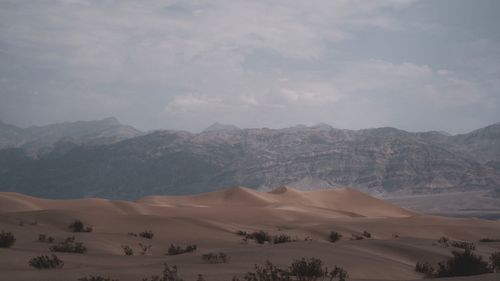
(215,127)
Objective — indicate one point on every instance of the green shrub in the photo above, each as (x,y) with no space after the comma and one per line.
(215,258)
(69,246)
(46,262)
(177,250)
(334,236)
(7,239)
(79,226)
(127,250)
(148,234)
(96,278)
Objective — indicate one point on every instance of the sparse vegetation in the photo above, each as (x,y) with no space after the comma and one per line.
(241,233)
(144,248)
(282,238)
(148,234)
(334,236)
(177,250)
(200,278)
(301,270)
(215,258)
(132,234)
(486,240)
(259,236)
(461,264)
(495,261)
(70,245)
(127,250)
(425,268)
(169,274)
(7,239)
(356,237)
(42,238)
(96,278)
(46,262)
(366,234)
(79,226)
(447,242)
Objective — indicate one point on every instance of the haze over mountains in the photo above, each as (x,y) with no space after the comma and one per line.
(107,159)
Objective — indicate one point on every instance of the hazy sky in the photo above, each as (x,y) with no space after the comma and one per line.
(415,65)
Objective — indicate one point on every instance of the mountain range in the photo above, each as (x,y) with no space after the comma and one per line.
(107,159)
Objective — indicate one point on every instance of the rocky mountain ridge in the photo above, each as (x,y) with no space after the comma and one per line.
(380,161)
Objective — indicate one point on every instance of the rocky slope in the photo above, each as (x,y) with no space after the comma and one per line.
(382,160)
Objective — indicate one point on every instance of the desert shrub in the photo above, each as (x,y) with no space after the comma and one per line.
(148,234)
(366,234)
(425,268)
(215,258)
(334,236)
(259,236)
(127,250)
(338,272)
(463,264)
(356,237)
(46,262)
(495,261)
(168,274)
(241,233)
(307,269)
(79,226)
(144,248)
(132,234)
(444,241)
(301,270)
(485,240)
(282,238)
(7,239)
(177,250)
(96,278)
(200,278)
(45,239)
(69,246)
(447,242)
(268,272)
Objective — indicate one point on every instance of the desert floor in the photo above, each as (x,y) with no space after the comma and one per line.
(399,239)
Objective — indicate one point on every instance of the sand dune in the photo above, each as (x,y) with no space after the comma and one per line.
(210,220)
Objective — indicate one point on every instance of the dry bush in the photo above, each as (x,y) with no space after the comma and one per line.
(7,239)
(215,258)
(70,245)
(46,262)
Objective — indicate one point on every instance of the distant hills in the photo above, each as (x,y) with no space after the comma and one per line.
(107,159)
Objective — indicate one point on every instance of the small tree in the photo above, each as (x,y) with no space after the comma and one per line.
(334,236)
(46,262)
(7,239)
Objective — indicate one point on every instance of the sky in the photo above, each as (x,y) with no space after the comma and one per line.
(415,65)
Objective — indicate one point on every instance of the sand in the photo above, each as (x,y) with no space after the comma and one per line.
(210,221)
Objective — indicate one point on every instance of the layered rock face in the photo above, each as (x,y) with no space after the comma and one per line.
(382,160)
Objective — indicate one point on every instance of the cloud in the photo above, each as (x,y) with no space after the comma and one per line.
(185,64)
